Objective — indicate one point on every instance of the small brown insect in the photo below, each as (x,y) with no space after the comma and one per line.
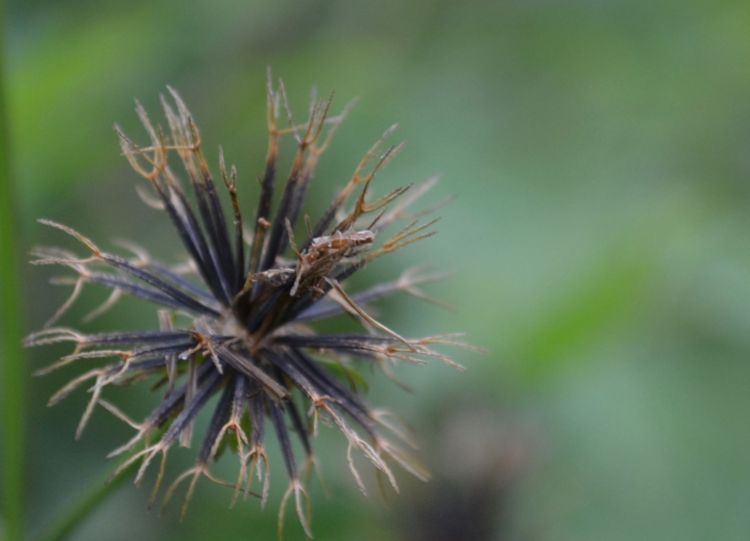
(340,242)
(325,252)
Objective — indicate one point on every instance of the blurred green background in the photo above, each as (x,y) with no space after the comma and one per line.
(600,240)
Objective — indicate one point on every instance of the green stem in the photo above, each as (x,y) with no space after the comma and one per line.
(89,502)
(11,354)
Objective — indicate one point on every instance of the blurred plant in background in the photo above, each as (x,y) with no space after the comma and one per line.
(599,155)
(482,456)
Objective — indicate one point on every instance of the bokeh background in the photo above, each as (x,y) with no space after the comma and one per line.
(599,240)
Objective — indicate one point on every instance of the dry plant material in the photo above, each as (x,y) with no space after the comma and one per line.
(238,320)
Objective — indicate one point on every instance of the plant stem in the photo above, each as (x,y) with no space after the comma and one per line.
(88,503)
(11,355)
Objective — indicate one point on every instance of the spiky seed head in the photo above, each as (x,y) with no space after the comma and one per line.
(238,320)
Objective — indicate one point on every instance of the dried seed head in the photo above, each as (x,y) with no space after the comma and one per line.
(251,311)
